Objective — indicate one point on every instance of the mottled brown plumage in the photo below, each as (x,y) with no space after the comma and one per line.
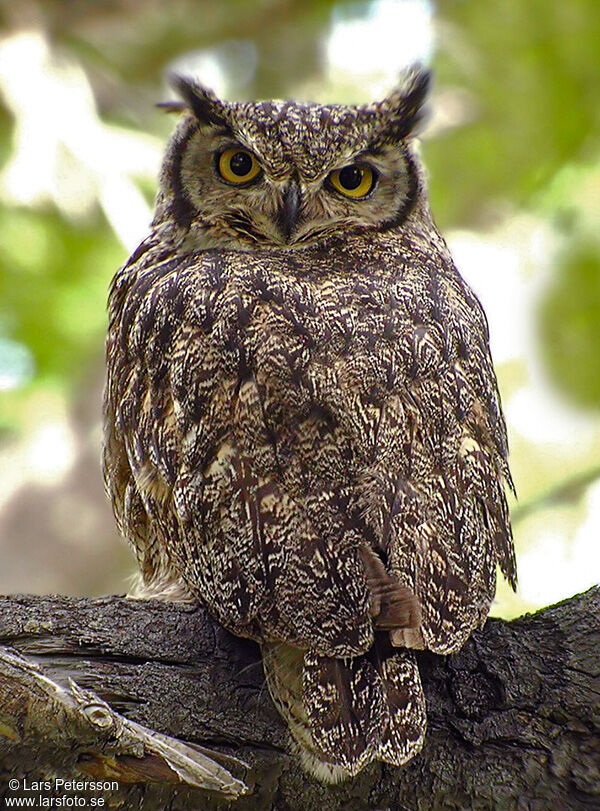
(303,428)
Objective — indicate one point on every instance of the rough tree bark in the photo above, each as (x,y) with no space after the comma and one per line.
(161,699)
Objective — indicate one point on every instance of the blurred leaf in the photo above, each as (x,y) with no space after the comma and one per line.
(569,324)
(53,286)
(529,74)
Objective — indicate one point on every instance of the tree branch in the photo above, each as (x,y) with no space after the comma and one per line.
(161,699)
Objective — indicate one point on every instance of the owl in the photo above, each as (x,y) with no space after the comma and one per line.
(303,429)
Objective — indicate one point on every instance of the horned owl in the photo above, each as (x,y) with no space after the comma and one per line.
(302,424)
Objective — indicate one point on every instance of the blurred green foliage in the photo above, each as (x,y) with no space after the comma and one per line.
(570,323)
(51,292)
(53,285)
(531,72)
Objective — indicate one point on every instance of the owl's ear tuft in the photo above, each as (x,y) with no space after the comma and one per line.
(201,101)
(405,108)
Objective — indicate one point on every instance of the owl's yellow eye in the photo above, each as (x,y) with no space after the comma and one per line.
(238,166)
(353,181)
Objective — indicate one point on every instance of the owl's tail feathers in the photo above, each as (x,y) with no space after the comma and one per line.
(344,713)
(405,733)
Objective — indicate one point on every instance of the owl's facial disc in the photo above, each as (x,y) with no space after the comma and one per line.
(246,196)
(256,175)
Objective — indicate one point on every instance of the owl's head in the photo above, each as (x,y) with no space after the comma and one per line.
(271,174)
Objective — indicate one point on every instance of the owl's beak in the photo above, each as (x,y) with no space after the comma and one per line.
(289,210)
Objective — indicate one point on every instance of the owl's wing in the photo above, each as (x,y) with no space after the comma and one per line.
(135,492)
(434,494)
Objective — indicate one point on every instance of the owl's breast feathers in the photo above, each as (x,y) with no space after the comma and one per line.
(318,449)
